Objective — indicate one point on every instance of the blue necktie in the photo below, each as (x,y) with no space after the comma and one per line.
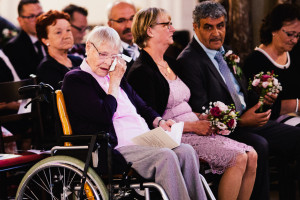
(224,69)
(131,52)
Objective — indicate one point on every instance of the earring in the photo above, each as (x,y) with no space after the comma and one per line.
(47,44)
(273,34)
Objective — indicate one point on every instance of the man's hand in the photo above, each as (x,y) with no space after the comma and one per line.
(270,98)
(251,118)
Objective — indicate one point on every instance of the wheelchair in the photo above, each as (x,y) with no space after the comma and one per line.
(64,176)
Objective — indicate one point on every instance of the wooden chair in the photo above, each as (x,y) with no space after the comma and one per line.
(8,93)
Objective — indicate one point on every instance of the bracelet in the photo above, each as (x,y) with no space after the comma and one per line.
(297,105)
(159,122)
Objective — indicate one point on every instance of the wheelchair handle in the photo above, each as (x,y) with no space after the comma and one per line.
(34,88)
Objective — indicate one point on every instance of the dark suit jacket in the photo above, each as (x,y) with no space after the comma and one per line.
(22,55)
(129,65)
(146,79)
(91,110)
(203,79)
(52,72)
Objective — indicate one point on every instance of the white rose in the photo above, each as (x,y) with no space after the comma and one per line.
(228,53)
(5,32)
(221,106)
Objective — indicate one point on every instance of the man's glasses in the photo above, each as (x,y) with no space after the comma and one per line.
(104,56)
(81,30)
(30,17)
(165,24)
(122,20)
(292,34)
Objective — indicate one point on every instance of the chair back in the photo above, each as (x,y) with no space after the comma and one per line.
(63,115)
(9,92)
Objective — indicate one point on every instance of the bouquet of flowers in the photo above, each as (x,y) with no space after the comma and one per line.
(263,84)
(232,61)
(223,118)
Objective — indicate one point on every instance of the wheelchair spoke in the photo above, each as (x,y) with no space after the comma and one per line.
(31,193)
(59,180)
(45,189)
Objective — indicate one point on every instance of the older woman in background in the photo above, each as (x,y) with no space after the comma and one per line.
(279,33)
(153,78)
(54,31)
(100,99)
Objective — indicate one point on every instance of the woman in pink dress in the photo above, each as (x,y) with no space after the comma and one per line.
(154,80)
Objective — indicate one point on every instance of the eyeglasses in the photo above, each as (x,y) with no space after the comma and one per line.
(81,30)
(165,24)
(292,34)
(104,56)
(30,17)
(122,20)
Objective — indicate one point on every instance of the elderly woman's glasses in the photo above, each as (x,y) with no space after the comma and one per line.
(165,24)
(292,34)
(104,56)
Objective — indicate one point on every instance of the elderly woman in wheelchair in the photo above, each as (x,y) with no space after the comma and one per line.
(98,98)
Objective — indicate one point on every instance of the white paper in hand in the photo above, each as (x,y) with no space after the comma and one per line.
(159,138)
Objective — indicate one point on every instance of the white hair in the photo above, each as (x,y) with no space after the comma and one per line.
(101,34)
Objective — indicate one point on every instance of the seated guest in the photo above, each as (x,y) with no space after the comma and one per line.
(79,25)
(98,99)
(24,50)
(154,80)
(210,78)
(120,14)
(54,30)
(279,33)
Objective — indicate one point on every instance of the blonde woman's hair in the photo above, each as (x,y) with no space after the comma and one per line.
(142,20)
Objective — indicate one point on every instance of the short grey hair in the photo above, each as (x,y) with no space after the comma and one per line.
(102,34)
(207,9)
(112,4)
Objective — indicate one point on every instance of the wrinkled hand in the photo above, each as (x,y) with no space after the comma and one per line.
(251,118)
(116,77)
(202,127)
(166,125)
(270,98)
(119,71)
(202,116)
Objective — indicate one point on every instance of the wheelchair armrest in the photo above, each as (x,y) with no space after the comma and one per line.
(72,138)
(57,148)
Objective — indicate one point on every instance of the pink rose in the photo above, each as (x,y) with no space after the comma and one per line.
(255,82)
(265,84)
(215,111)
(265,77)
(228,53)
(221,106)
(224,132)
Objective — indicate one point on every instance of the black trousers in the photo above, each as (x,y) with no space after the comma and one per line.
(276,139)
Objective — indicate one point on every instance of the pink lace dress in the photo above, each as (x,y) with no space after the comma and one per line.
(219,151)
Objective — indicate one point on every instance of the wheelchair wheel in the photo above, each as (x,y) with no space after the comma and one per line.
(58,177)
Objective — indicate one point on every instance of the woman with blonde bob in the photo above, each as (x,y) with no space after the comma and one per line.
(153,76)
